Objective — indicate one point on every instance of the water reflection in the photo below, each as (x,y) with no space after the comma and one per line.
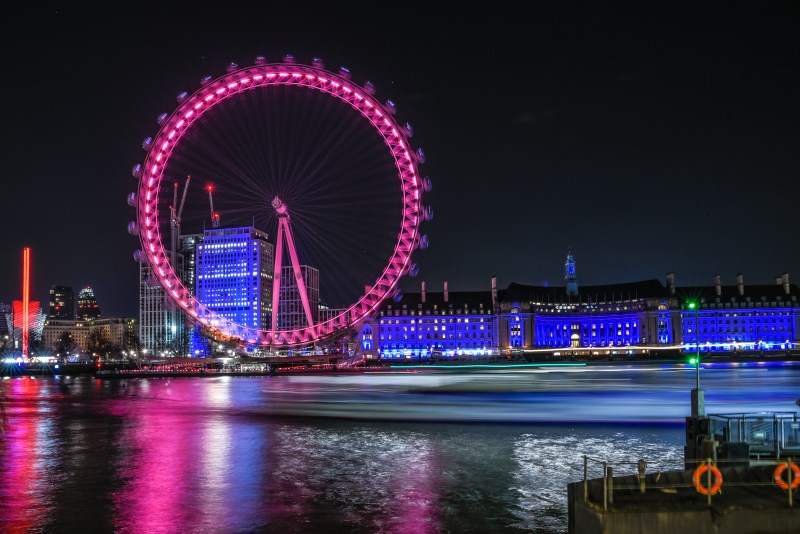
(231,454)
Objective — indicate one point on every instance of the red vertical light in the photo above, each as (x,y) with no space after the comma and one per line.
(26,296)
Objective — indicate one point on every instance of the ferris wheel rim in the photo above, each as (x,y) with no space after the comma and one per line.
(191,107)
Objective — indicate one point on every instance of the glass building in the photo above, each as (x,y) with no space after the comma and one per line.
(234,274)
(87,304)
(62,303)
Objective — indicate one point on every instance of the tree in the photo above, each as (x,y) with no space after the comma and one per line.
(97,343)
(65,344)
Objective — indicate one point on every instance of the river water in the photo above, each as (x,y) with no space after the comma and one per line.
(411,451)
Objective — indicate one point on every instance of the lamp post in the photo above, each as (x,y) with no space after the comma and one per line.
(698,400)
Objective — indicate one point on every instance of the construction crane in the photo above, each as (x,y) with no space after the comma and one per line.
(175,216)
(175,212)
(214,216)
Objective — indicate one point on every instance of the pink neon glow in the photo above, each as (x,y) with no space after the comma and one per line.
(244,80)
(180,123)
(348,93)
(26,299)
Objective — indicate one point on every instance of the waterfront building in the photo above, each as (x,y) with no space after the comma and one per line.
(62,302)
(740,318)
(161,324)
(291,313)
(434,324)
(623,318)
(87,304)
(114,330)
(234,274)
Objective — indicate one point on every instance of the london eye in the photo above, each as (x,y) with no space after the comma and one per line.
(314,160)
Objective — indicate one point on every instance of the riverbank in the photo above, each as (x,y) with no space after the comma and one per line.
(254,367)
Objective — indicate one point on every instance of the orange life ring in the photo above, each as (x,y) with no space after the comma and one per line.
(699,472)
(778,476)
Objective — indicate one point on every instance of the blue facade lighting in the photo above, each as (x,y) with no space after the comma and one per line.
(234,274)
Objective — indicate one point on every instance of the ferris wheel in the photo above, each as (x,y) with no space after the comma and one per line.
(315,156)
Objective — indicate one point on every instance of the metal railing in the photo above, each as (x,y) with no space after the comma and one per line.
(767,484)
(773,434)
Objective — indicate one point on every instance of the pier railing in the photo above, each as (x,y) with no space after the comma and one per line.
(768,484)
(773,434)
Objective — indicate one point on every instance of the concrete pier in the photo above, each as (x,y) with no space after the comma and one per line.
(668,503)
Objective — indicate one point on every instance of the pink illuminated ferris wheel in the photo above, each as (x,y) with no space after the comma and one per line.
(314,156)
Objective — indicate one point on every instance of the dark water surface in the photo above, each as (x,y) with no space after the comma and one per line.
(417,451)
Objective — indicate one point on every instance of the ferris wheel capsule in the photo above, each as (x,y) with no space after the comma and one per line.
(136,170)
(232,67)
(427,185)
(148,141)
(369,87)
(391,106)
(162,119)
(138,256)
(424,242)
(133,228)
(317,63)
(181,96)
(132,199)
(409,130)
(413,271)
(260,60)
(427,213)
(420,155)
(205,79)
(398,295)
(289,58)
(344,72)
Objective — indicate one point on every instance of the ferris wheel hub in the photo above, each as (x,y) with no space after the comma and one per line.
(278,206)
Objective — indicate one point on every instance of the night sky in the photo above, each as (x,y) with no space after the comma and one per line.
(654,140)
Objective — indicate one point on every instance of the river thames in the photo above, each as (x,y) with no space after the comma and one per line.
(410,451)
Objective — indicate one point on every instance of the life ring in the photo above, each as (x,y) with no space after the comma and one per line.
(699,486)
(778,476)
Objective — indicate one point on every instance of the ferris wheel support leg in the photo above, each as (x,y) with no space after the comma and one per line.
(298,274)
(276,278)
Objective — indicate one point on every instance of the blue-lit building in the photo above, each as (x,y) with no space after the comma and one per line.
(438,324)
(619,315)
(739,317)
(234,274)
(647,315)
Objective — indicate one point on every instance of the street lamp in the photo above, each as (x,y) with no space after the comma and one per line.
(698,402)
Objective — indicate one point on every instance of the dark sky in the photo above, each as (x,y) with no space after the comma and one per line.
(659,139)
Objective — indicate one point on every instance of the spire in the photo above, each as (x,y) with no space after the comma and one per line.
(570,279)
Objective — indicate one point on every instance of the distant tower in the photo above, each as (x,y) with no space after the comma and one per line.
(62,303)
(569,275)
(87,305)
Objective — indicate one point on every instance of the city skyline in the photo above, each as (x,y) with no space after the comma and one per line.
(671,155)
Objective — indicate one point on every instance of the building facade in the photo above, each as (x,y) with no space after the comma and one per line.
(87,305)
(291,313)
(62,303)
(603,319)
(115,330)
(433,324)
(234,275)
